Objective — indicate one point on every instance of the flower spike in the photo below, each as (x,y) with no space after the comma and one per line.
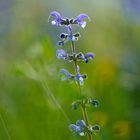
(81,127)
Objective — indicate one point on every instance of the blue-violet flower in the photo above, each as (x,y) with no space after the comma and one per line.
(80,78)
(80,20)
(61,54)
(78,128)
(57,18)
(66,75)
(85,57)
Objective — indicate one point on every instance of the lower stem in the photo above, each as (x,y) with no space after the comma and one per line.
(86,121)
(83,106)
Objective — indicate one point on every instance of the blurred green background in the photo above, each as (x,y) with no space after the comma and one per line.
(34,103)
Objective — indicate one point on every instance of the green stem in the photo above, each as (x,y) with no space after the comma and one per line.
(86,120)
(74,52)
(83,106)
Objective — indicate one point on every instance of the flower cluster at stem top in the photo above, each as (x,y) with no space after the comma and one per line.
(57,20)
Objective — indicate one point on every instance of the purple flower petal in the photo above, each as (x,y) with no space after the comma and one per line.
(73,127)
(77,70)
(81,17)
(81,55)
(70,29)
(55,14)
(61,54)
(81,123)
(88,56)
(57,18)
(80,20)
(67,75)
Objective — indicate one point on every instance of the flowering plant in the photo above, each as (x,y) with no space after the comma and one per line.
(82,127)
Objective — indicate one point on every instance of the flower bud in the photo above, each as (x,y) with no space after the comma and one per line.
(76,104)
(63,36)
(96,128)
(60,43)
(77,34)
(95,103)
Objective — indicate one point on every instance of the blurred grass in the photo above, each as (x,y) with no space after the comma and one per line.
(27,62)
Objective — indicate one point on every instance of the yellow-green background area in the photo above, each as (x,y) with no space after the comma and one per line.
(34,103)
